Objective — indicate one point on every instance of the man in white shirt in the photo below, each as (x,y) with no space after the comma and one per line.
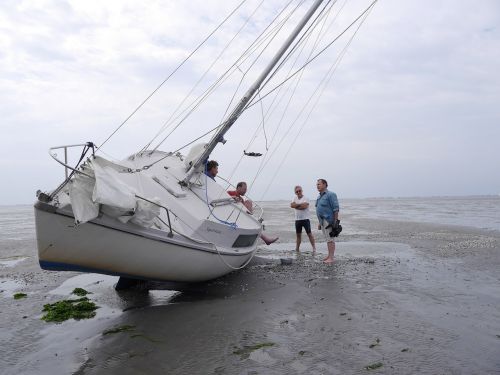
(301,205)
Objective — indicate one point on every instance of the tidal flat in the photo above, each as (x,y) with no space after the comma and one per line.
(401,298)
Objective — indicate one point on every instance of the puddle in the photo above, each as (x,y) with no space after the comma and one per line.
(364,249)
(91,282)
(9,287)
(98,286)
(161,297)
(262,357)
(287,250)
(344,250)
(11,262)
(102,292)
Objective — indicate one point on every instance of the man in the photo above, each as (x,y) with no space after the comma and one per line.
(301,205)
(212,169)
(238,194)
(327,210)
(241,190)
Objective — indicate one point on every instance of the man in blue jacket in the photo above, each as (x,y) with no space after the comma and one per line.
(327,210)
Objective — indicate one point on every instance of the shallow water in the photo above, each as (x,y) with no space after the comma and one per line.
(478,212)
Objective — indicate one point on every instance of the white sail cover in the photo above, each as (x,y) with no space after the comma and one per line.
(80,194)
(145,213)
(110,187)
(113,189)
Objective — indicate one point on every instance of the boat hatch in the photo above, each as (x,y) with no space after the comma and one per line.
(245,240)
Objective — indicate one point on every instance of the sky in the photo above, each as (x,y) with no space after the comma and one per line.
(413,107)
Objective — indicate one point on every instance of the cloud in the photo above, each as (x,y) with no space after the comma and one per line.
(411,110)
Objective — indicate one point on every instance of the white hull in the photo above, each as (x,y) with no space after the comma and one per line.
(141,253)
(190,239)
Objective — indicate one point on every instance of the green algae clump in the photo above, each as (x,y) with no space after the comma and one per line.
(63,310)
(20,295)
(80,292)
(374,366)
(247,350)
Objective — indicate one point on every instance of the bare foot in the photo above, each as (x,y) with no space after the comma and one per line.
(328,261)
(314,252)
(271,240)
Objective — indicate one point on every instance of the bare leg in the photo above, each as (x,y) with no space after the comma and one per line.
(313,243)
(331,252)
(268,240)
(299,240)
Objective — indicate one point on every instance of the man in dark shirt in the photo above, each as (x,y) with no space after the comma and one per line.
(212,169)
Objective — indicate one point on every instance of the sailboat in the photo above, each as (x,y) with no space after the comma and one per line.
(155,215)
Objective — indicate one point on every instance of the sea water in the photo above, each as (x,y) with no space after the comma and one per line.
(482,212)
(475,211)
(17,233)
(17,229)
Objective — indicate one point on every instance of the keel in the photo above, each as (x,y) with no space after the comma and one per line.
(126,283)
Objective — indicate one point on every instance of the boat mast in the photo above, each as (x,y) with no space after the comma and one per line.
(219,136)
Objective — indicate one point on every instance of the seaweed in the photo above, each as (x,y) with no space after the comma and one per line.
(248,349)
(374,366)
(77,309)
(20,295)
(123,328)
(80,292)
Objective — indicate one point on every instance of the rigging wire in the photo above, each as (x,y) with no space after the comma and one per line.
(252,103)
(263,127)
(167,122)
(259,41)
(292,126)
(318,38)
(256,44)
(266,46)
(232,225)
(323,83)
(274,31)
(300,76)
(302,41)
(297,43)
(268,114)
(173,72)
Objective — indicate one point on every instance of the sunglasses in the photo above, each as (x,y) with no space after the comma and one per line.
(298,191)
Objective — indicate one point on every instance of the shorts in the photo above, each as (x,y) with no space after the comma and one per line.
(306,223)
(326,231)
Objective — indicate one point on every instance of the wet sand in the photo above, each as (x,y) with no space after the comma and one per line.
(409,298)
